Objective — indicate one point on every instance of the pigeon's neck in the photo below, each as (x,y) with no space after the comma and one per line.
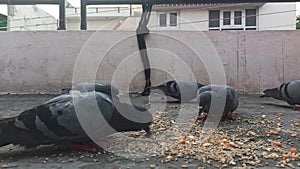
(277,94)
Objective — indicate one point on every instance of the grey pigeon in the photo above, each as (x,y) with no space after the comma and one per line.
(56,122)
(180,90)
(90,87)
(289,92)
(223,94)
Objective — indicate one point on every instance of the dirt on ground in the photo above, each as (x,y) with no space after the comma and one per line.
(264,133)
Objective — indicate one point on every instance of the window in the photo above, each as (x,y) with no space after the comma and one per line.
(237,17)
(226,17)
(173,19)
(168,19)
(250,17)
(232,19)
(162,20)
(214,18)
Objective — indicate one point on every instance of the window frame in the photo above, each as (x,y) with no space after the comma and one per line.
(209,21)
(232,25)
(225,19)
(248,17)
(240,17)
(159,20)
(168,19)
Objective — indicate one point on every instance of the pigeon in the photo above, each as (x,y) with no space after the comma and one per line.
(56,121)
(222,95)
(180,90)
(289,92)
(89,87)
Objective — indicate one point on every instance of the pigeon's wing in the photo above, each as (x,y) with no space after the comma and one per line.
(188,90)
(129,117)
(291,92)
(56,121)
(94,112)
(110,116)
(107,88)
(64,120)
(204,100)
(232,100)
(205,88)
(103,88)
(49,123)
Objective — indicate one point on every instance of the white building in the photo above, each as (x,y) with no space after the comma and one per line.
(108,17)
(250,16)
(32,17)
(29,17)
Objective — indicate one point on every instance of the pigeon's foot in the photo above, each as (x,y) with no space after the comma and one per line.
(146,92)
(203,117)
(228,118)
(89,148)
(147,89)
(296,107)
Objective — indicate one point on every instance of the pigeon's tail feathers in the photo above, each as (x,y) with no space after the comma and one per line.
(6,124)
(11,133)
(200,85)
(65,90)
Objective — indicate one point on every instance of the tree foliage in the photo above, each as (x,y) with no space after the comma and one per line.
(298,22)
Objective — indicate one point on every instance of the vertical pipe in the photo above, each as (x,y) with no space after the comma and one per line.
(83,15)
(62,15)
(142,31)
(130,8)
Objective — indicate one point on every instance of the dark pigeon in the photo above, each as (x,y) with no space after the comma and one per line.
(90,87)
(180,90)
(55,121)
(223,94)
(289,92)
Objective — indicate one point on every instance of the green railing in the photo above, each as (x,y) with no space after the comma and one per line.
(3,22)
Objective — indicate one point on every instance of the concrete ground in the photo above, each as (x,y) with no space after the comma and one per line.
(243,141)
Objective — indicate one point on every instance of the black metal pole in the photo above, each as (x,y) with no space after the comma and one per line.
(142,31)
(83,15)
(62,15)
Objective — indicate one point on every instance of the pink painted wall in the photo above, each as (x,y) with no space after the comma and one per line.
(46,61)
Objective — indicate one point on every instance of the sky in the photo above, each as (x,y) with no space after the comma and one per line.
(53,9)
(75,3)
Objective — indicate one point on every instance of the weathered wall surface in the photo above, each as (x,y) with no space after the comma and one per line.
(46,61)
